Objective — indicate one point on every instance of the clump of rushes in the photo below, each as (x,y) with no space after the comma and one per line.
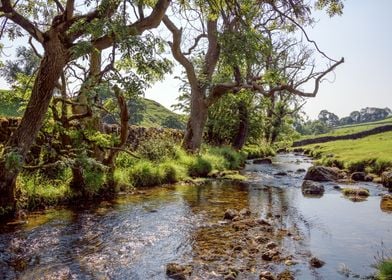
(384,270)
(355,192)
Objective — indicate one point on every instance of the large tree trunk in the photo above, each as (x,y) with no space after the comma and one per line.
(243,126)
(20,142)
(196,123)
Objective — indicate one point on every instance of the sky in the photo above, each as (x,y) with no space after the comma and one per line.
(363,36)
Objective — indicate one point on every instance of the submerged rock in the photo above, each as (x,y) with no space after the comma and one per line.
(267,275)
(300,170)
(285,275)
(230,214)
(281,173)
(312,188)
(178,271)
(322,173)
(362,192)
(262,161)
(386,203)
(386,179)
(315,262)
(358,176)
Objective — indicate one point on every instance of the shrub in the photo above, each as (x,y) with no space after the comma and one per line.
(380,166)
(384,270)
(145,174)
(258,151)
(125,160)
(200,167)
(157,149)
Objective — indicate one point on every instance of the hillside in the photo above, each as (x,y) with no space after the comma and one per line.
(150,113)
(155,114)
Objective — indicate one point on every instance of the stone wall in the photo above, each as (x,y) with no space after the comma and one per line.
(353,136)
(137,134)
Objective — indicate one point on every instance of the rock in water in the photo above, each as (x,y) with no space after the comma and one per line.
(312,188)
(315,262)
(386,203)
(386,179)
(358,176)
(266,275)
(178,271)
(322,173)
(230,214)
(262,161)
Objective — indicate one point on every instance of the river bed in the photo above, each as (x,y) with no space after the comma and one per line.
(136,236)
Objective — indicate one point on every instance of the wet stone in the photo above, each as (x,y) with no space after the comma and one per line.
(312,188)
(266,275)
(285,275)
(178,271)
(315,262)
(230,214)
(262,161)
(270,255)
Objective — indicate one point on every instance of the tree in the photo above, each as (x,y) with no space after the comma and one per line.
(329,118)
(65,34)
(228,34)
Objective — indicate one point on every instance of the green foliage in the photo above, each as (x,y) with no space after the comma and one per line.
(157,150)
(13,160)
(232,159)
(145,174)
(258,151)
(384,268)
(200,167)
(39,192)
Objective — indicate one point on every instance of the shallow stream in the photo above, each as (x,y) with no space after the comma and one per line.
(136,236)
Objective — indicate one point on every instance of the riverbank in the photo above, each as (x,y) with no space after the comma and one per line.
(156,163)
(372,154)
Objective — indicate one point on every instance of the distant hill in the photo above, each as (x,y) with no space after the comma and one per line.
(144,112)
(155,114)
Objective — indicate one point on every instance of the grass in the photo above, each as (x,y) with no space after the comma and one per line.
(371,154)
(350,129)
(40,192)
(355,191)
(181,166)
(384,270)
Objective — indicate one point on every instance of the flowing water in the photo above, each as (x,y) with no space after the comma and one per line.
(136,236)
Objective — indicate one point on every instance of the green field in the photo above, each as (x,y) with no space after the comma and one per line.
(371,154)
(350,129)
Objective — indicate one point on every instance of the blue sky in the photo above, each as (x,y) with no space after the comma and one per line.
(363,36)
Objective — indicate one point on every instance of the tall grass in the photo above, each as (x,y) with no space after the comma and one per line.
(371,154)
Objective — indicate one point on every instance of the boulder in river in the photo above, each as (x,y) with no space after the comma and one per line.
(266,275)
(262,161)
(315,262)
(281,173)
(358,176)
(230,214)
(177,271)
(322,173)
(386,203)
(312,188)
(386,179)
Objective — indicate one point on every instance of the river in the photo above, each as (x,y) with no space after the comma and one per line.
(136,236)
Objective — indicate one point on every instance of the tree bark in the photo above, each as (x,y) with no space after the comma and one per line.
(20,142)
(196,123)
(243,126)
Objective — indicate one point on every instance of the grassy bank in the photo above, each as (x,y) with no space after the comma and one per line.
(371,154)
(156,164)
(350,129)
